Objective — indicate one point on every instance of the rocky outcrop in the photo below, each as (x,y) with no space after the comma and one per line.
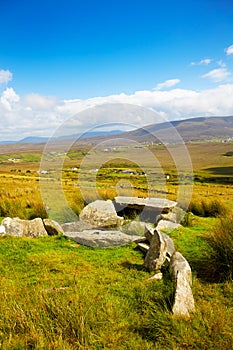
(101,214)
(183,299)
(26,228)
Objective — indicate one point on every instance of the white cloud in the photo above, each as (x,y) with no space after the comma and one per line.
(205,61)
(229,50)
(9,98)
(5,76)
(167,84)
(218,74)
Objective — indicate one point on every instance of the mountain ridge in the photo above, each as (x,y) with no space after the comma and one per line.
(191,129)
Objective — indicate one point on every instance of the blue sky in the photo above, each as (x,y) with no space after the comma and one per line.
(87,51)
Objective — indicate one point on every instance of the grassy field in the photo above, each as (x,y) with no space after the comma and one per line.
(56,294)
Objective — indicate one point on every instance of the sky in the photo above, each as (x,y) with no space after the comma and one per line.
(59,58)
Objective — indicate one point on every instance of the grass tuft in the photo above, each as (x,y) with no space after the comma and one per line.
(221,243)
(208,208)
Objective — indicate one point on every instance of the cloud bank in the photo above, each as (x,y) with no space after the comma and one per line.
(41,115)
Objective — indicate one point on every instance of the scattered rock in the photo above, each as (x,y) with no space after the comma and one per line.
(27,228)
(101,238)
(101,214)
(167,225)
(135,228)
(158,276)
(182,274)
(176,215)
(156,254)
(52,227)
(170,246)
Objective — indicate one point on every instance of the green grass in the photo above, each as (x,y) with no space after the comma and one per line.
(56,294)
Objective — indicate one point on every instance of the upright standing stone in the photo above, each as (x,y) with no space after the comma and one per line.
(182,274)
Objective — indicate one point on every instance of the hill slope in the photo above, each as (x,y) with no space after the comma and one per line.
(203,128)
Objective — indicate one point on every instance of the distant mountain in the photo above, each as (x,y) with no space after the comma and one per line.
(38,139)
(33,139)
(194,129)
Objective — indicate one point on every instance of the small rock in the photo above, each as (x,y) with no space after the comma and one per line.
(176,215)
(158,276)
(170,246)
(156,254)
(143,247)
(52,227)
(168,225)
(135,228)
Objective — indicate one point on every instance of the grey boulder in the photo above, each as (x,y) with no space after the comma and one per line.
(101,214)
(101,238)
(24,228)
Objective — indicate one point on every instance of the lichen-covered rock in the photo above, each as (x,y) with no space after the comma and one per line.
(24,228)
(101,214)
(52,227)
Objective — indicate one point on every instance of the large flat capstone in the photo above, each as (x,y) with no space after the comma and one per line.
(158,204)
